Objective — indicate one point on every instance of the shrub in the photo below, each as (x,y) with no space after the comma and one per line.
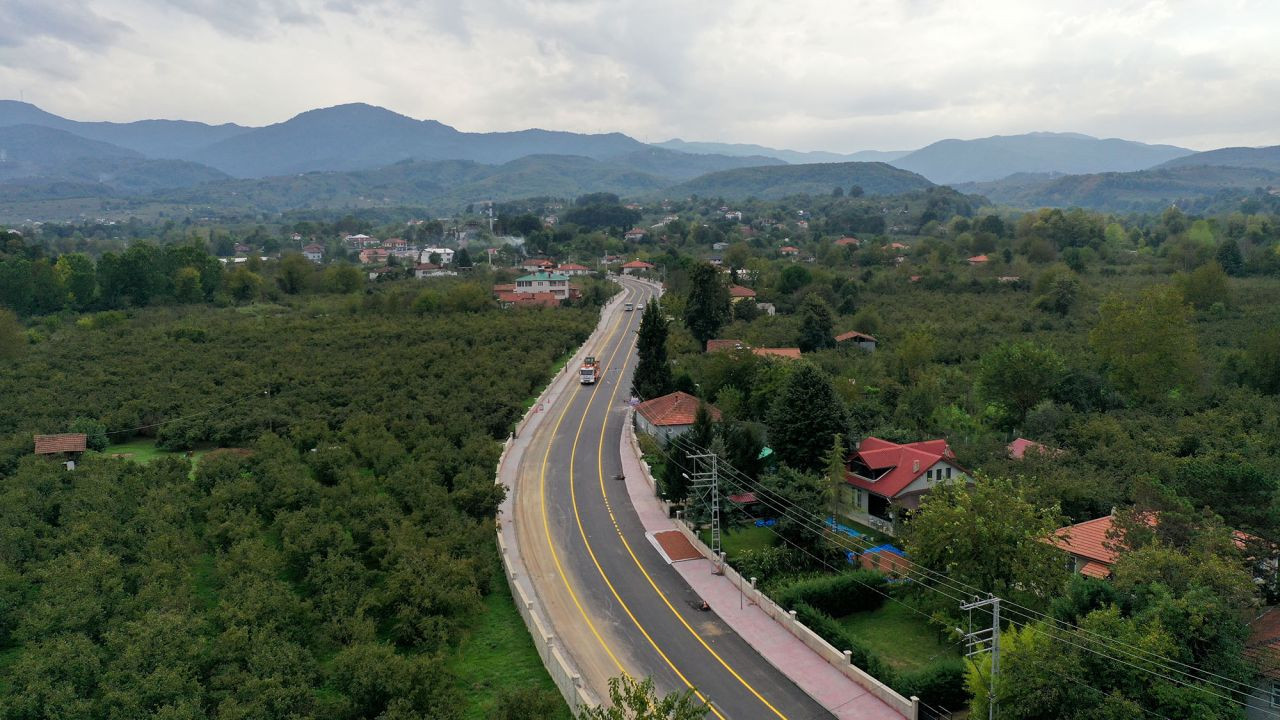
(837,595)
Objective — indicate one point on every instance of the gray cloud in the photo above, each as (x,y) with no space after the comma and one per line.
(806,74)
(26,21)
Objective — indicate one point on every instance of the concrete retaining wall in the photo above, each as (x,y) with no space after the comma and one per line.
(560,665)
(909,707)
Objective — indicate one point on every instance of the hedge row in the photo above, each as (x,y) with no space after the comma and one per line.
(838,595)
(817,600)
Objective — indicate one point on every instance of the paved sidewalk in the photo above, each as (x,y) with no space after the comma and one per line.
(845,698)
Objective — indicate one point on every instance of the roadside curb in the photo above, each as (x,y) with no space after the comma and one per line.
(560,664)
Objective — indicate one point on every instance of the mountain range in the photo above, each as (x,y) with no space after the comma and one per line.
(359,153)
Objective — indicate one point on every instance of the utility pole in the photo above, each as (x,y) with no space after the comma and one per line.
(709,482)
(987,639)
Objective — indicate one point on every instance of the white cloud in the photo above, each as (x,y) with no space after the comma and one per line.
(803,74)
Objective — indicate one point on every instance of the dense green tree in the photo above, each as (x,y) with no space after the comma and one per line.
(343,278)
(1147,344)
(243,284)
(462,258)
(673,483)
(1229,257)
(1016,377)
(95,430)
(12,335)
(793,278)
(653,372)
(807,415)
(293,273)
(78,276)
(706,309)
(796,498)
(987,534)
(1203,287)
(1263,361)
(815,324)
(186,286)
(631,699)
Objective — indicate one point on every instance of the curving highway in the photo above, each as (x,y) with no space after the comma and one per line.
(615,604)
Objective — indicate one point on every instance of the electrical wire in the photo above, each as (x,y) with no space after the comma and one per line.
(1031,618)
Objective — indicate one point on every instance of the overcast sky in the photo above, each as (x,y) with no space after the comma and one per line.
(840,75)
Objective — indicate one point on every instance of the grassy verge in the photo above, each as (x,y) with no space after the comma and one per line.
(894,632)
(498,654)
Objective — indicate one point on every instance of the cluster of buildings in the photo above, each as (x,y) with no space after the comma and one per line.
(375,254)
(547,284)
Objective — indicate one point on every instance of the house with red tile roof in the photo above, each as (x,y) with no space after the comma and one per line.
(537,264)
(738,293)
(670,415)
(634,235)
(844,241)
(886,479)
(635,266)
(785,353)
(373,256)
(977,260)
(860,340)
(1262,650)
(1020,447)
(573,269)
(789,250)
(1093,549)
(61,443)
(509,299)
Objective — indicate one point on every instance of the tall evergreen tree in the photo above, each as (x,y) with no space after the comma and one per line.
(707,308)
(806,417)
(1229,257)
(673,483)
(653,373)
(815,325)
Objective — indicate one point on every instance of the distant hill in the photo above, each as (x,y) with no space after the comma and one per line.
(444,185)
(1141,190)
(27,150)
(685,166)
(153,138)
(359,136)
(813,179)
(957,161)
(1265,158)
(790,156)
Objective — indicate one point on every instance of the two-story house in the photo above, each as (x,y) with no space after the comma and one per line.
(554,283)
(885,480)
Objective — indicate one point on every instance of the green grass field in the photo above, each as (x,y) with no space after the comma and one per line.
(903,638)
(143,451)
(498,654)
(736,540)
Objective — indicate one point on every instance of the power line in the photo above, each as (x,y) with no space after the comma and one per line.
(1163,663)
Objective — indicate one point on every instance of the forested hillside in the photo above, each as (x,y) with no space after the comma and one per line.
(329,551)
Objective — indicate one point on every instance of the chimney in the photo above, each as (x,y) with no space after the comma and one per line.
(915,466)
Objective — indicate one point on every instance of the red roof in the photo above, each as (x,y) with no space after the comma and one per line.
(789,353)
(637,264)
(62,443)
(678,408)
(1263,645)
(724,344)
(741,292)
(573,266)
(1019,448)
(978,259)
(848,241)
(895,466)
(743,498)
(537,262)
(1088,540)
(789,249)
(313,247)
(854,335)
(505,287)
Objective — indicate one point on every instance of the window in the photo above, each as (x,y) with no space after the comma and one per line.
(1275,694)
(948,473)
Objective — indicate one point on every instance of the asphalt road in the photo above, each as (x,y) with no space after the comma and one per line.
(614,602)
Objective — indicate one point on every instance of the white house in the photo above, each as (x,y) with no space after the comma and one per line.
(573,269)
(554,283)
(883,478)
(427,270)
(670,415)
(313,252)
(446,255)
